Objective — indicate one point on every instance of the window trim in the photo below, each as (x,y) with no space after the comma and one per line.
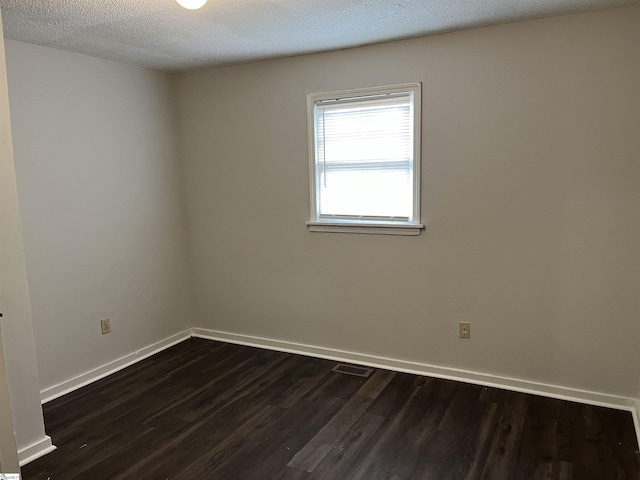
(380,227)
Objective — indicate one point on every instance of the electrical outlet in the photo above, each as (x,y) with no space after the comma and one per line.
(105,325)
(465,329)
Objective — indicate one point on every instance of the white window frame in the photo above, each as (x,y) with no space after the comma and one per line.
(383,226)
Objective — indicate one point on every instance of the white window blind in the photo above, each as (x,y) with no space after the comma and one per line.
(365,157)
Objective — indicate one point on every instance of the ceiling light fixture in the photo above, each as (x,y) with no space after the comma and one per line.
(192,4)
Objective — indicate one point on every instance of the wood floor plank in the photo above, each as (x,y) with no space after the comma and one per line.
(224,382)
(500,459)
(413,419)
(484,442)
(290,474)
(565,471)
(393,398)
(317,449)
(336,385)
(205,456)
(384,451)
(207,410)
(415,432)
(464,412)
(349,452)
(208,401)
(303,380)
(274,448)
(376,384)
(440,458)
(122,460)
(314,452)
(537,454)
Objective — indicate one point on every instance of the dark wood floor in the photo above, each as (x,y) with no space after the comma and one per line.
(209,410)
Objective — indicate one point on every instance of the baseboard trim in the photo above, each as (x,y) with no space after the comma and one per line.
(467,376)
(36,450)
(68,386)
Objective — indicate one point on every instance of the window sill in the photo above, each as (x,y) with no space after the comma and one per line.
(368,228)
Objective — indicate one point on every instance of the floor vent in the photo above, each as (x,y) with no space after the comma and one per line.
(352,370)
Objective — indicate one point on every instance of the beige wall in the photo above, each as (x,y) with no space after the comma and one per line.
(18,351)
(99,185)
(531,196)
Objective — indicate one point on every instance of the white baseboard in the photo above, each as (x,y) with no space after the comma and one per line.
(36,450)
(467,376)
(55,391)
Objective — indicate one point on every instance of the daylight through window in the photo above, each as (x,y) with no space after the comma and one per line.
(365,160)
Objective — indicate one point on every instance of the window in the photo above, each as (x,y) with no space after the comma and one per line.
(364,149)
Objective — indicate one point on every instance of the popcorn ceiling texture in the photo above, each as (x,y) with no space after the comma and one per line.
(160,34)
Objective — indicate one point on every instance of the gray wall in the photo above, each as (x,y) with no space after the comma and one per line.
(529,192)
(99,184)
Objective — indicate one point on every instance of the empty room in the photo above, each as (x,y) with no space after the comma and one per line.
(368,239)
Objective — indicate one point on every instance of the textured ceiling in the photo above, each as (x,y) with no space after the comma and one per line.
(162,35)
